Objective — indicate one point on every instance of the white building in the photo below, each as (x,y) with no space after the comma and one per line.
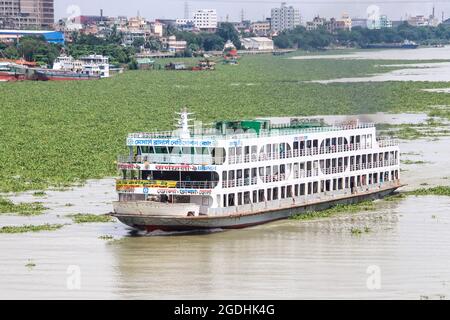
(174,45)
(260,28)
(285,18)
(257,43)
(379,22)
(205,19)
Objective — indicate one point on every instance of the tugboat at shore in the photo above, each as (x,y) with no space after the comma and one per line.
(243,173)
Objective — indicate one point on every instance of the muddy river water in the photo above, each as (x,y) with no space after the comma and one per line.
(404,255)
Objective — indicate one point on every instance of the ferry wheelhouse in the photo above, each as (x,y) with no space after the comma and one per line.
(244,173)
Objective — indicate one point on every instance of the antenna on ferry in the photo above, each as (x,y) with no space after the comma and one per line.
(183,123)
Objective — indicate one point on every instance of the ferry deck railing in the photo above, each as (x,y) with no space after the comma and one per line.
(213,134)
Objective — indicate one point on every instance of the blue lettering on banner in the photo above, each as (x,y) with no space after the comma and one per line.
(235,143)
(169,142)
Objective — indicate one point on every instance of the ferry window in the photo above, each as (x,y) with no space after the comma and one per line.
(315,143)
(224,176)
(296,190)
(268,173)
(334,184)
(247,199)
(224,200)
(315,187)
(254,152)
(309,187)
(289,192)
(283,192)
(340,141)
(206,150)
(205,201)
(275,193)
(322,186)
(255,196)
(261,172)
(247,177)
(247,154)
(254,175)
(239,198)
(162,150)
(231,154)
(302,189)
(261,195)
(346,182)
(269,194)
(238,154)
(231,200)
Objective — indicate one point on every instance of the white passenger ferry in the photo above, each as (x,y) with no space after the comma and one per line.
(244,173)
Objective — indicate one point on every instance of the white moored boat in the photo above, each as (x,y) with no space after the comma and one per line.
(243,173)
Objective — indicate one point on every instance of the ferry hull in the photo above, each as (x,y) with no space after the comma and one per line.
(238,221)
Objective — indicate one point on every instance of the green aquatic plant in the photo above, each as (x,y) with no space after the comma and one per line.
(355,231)
(335,210)
(30,264)
(30,228)
(106,237)
(434,191)
(395,196)
(23,209)
(90,218)
(413,162)
(62,116)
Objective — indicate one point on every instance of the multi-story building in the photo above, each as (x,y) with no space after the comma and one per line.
(385,22)
(26,14)
(173,45)
(359,22)
(257,43)
(285,18)
(205,19)
(316,23)
(418,21)
(260,28)
(346,21)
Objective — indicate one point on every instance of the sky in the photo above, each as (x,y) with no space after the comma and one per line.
(253,9)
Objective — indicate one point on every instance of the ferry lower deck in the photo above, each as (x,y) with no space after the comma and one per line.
(134,213)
